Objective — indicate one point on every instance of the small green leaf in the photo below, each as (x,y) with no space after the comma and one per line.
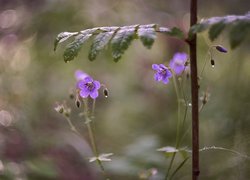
(147,36)
(63,36)
(100,41)
(73,48)
(121,41)
(216,30)
(176,32)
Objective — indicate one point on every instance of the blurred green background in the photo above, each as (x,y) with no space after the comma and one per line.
(138,117)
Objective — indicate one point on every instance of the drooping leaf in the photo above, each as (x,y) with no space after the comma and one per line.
(62,37)
(176,32)
(121,41)
(239,32)
(147,36)
(73,48)
(216,30)
(100,41)
(239,25)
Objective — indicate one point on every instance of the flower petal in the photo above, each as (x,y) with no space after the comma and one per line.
(94,94)
(162,66)
(80,84)
(169,74)
(88,79)
(158,77)
(97,84)
(165,80)
(84,93)
(155,67)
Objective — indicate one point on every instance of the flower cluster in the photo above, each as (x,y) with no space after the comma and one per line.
(176,65)
(87,85)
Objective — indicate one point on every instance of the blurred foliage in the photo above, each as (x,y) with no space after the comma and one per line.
(138,117)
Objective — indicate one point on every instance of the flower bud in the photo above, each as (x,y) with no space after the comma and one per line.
(59,109)
(212,62)
(221,49)
(78,103)
(106,92)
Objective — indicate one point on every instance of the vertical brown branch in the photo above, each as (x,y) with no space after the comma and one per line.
(195,93)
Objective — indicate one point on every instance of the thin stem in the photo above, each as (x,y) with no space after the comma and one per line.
(72,127)
(225,149)
(93,143)
(93,109)
(195,93)
(91,134)
(205,63)
(178,125)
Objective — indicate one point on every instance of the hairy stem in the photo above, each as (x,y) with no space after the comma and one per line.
(88,121)
(177,142)
(195,94)
(72,127)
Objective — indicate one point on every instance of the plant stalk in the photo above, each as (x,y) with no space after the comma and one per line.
(195,93)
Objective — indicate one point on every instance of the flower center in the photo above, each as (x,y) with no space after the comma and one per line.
(90,86)
(163,72)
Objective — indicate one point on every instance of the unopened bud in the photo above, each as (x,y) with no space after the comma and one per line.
(71,96)
(78,103)
(221,49)
(106,92)
(59,109)
(212,62)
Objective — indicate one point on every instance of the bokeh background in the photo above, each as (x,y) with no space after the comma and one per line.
(138,117)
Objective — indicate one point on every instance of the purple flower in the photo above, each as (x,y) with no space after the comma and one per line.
(177,64)
(88,87)
(162,73)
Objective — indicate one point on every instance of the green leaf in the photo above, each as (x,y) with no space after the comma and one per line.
(238,33)
(216,30)
(100,41)
(176,32)
(63,36)
(73,48)
(147,36)
(122,40)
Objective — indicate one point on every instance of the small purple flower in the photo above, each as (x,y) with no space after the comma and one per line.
(177,64)
(88,87)
(162,73)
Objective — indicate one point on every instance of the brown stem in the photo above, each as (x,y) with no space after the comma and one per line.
(195,93)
